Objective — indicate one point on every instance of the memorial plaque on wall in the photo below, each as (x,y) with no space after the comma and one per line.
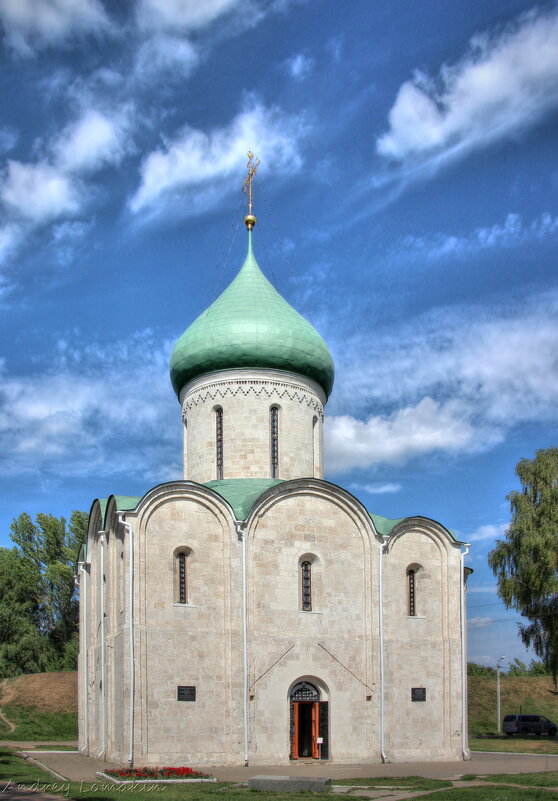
(418,693)
(186,694)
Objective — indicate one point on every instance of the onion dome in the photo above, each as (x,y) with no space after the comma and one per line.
(251,325)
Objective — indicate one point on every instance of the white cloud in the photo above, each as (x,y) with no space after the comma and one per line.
(35,23)
(505,83)
(8,138)
(299,66)
(512,232)
(164,53)
(480,622)
(393,439)
(10,238)
(92,142)
(185,15)
(38,192)
(199,167)
(89,403)
(490,589)
(452,381)
(377,489)
(488,532)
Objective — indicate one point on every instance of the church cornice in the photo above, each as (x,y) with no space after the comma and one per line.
(269,388)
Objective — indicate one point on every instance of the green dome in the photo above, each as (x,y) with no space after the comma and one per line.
(251,325)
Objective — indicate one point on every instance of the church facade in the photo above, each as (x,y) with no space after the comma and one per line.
(252,612)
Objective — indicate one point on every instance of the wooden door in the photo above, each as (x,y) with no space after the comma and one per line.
(294,730)
(315,730)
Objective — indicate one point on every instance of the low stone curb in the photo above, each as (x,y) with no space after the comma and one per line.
(25,755)
(114,780)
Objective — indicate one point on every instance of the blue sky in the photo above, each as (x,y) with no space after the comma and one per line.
(407,205)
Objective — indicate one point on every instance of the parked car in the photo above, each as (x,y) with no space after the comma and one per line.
(528,724)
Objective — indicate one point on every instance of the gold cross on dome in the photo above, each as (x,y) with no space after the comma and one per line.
(252,170)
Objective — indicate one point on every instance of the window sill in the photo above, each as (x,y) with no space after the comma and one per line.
(308,612)
(416,617)
(192,605)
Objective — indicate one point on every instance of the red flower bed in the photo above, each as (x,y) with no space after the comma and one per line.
(157,773)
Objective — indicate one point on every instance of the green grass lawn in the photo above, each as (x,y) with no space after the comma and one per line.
(31,724)
(491,794)
(416,782)
(40,747)
(16,771)
(546,779)
(515,745)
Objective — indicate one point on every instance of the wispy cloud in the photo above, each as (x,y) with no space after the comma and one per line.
(412,431)
(480,622)
(299,66)
(512,232)
(92,141)
(487,533)
(506,82)
(450,382)
(8,138)
(377,489)
(51,189)
(162,53)
(38,192)
(200,166)
(32,24)
(69,418)
(477,589)
(186,15)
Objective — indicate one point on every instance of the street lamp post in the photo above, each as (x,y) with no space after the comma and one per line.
(498,720)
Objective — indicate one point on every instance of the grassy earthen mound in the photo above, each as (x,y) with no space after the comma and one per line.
(527,695)
(46,692)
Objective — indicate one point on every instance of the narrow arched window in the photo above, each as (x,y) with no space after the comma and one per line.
(182,578)
(274,431)
(411,581)
(219,441)
(306,585)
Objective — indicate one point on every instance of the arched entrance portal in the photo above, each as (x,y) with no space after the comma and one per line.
(308,722)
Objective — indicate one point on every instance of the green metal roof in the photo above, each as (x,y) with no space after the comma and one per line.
(251,325)
(384,525)
(242,493)
(103,504)
(124,503)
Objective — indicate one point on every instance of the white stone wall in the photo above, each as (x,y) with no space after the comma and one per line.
(424,650)
(335,646)
(246,397)
(194,644)
(330,646)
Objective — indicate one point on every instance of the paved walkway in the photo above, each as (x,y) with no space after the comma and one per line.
(76,767)
(480,763)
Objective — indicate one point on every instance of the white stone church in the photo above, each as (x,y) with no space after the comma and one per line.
(252,612)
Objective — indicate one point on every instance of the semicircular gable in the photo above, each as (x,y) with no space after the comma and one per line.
(426,527)
(316,488)
(96,521)
(183,491)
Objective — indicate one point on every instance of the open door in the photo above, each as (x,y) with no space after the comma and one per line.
(308,723)
(315,730)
